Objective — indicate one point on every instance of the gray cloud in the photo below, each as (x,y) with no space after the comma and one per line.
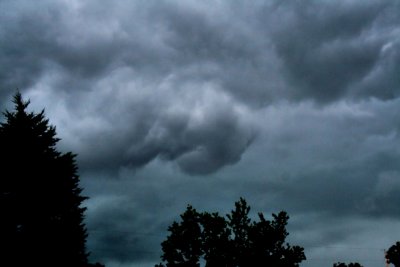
(329,49)
(293,105)
(207,130)
(81,58)
(326,168)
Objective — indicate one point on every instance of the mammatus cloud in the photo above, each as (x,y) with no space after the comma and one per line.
(201,131)
(134,107)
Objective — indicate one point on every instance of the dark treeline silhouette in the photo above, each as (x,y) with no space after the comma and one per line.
(352,264)
(210,240)
(40,199)
(229,242)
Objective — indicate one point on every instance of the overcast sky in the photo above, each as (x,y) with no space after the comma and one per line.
(294,105)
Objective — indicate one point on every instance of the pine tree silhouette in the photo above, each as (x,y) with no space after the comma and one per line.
(41,222)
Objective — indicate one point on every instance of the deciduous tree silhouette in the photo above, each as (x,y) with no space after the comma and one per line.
(351,264)
(184,246)
(234,241)
(393,255)
(41,221)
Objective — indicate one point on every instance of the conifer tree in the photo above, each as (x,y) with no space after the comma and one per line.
(41,221)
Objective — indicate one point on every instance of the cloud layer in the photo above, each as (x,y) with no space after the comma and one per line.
(293,105)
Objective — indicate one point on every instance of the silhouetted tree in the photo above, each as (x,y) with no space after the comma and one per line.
(183,246)
(216,244)
(234,241)
(393,255)
(351,264)
(41,221)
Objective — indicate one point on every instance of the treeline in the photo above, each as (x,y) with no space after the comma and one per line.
(42,216)
(232,241)
(237,241)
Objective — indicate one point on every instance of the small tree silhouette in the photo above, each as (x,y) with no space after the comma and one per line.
(232,242)
(393,255)
(351,264)
(40,199)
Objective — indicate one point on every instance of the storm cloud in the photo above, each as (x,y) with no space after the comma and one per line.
(293,105)
(333,51)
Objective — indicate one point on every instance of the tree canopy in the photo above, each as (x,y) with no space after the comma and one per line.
(351,264)
(234,240)
(40,199)
(393,255)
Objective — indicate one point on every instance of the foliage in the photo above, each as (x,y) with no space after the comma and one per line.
(40,198)
(341,264)
(232,241)
(393,255)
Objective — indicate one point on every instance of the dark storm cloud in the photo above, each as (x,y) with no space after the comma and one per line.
(124,237)
(327,51)
(201,133)
(35,38)
(71,53)
(324,167)
(291,104)
(331,50)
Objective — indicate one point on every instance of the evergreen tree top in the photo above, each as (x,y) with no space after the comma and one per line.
(29,126)
(20,104)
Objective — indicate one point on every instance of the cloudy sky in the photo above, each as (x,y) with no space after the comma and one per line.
(294,105)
